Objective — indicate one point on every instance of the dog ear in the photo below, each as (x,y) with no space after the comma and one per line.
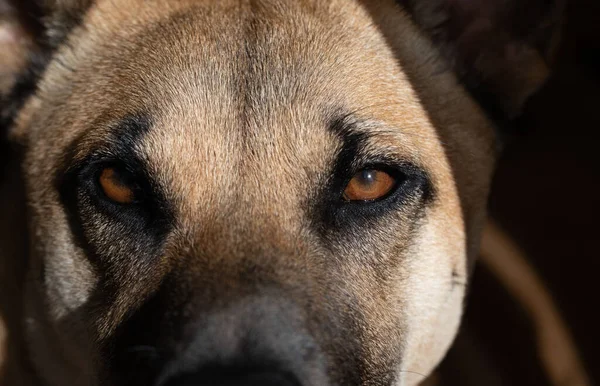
(60,16)
(16,42)
(30,30)
(501,49)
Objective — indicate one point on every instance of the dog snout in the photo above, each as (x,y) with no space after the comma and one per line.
(256,340)
(232,376)
(252,340)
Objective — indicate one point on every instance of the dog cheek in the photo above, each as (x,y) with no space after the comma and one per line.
(60,283)
(433,296)
(59,265)
(69,280)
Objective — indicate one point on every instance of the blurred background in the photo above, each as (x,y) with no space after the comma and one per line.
(546,198)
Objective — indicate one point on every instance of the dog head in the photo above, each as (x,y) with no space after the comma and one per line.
(258,192)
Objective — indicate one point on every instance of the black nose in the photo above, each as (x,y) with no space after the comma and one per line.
(234,377)
(254,340)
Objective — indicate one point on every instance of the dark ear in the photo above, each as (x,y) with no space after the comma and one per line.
(60,16)
(30,31)
(501,49)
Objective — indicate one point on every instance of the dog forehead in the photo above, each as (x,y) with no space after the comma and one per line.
(246,103)
(249,88)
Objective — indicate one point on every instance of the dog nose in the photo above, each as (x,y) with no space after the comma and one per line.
(235,377)
(257,339)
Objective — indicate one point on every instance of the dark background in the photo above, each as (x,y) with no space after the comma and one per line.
(546,195)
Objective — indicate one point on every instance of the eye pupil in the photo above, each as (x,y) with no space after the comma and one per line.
(368,185)
(367,177)
(116,187)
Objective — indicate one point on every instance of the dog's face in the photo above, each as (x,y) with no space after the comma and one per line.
(272,192)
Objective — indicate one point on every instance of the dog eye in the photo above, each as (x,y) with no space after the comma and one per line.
(118,185)
(369,185)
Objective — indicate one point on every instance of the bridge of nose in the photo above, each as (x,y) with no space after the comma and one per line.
(261,206)
(250,137)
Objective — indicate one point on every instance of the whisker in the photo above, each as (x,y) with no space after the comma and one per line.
(414,372)
(459,283)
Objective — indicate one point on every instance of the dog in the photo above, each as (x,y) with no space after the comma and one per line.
(244,192)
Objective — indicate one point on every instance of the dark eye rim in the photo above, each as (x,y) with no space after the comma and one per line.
(83,196)
(86,181)
(413,191)
(87,211)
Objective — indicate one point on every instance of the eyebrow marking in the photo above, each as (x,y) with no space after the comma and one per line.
(352,141)
(120,141)
(357,151)
(347,124)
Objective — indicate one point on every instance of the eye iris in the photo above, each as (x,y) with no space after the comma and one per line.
(115,188)
(368,185)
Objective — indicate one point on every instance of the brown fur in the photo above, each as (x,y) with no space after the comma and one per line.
(240,97)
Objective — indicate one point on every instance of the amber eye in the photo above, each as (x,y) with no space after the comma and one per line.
(116,186)
(369,184)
